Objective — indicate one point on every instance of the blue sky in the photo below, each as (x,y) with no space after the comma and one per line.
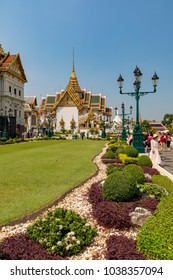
(109,37)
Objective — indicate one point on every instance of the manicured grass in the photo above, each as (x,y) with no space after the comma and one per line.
(34,174)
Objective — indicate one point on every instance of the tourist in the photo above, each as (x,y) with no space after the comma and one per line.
(168,141)
(147,142)
(130,139)
(154,153)
(163,141)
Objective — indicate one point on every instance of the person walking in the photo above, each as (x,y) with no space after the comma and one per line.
(154,153)
(168,141)
(163,142)
(147,142)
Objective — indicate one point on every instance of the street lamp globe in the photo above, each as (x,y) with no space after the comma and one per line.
(120,81)
(155,79)
(138,74)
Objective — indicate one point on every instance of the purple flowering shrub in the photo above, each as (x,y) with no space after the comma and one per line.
(19,247)
(151,171)
(119,247)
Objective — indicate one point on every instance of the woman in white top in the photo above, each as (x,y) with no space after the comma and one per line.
(154,153)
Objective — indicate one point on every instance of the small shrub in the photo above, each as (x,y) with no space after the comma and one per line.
(9,141)
(135,171)
(120,186)
(62,232)
(112,147)
(63,137)
(112,169)
(56,137)
(131,152)
(3,139)
(128,160)
(113,141)
(109,155)
(119,247)
(45,137)
(144,161)
(120,150)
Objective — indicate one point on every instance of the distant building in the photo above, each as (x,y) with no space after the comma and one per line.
(74,108)
(157,125)
(12,80)
(31,115)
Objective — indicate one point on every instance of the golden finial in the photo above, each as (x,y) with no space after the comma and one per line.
(73,59)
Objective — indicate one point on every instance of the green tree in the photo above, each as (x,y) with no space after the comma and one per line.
(145,126)
(167,120)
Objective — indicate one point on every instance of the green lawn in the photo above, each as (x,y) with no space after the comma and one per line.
(34,174)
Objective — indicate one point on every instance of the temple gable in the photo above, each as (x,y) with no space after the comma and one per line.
(67,101)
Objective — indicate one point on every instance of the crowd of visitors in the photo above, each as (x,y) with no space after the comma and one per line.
(163,139)
(154,143)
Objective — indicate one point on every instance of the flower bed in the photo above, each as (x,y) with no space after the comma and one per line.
(111,214)
(116,237)
(61,233)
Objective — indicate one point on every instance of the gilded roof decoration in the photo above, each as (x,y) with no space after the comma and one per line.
(12,64)
(62,122)
(73,95)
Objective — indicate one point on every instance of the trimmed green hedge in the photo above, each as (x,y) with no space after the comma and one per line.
(135,171)
(155,240)
(120,187)
(131,152)
(109,155)
(144,160)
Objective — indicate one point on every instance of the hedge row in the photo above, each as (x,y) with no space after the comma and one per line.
(155,239)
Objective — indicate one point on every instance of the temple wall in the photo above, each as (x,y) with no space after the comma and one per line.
(67,113)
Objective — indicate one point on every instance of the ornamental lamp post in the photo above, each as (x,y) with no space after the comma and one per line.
(103,124)
(5,130)
(49,119)
(137,132)
(124,135)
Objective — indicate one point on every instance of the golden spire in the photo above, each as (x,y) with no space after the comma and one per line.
(73,83)
(1,49)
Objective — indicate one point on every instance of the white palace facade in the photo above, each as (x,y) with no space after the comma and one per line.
(12,80)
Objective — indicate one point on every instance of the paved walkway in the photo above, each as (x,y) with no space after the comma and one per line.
(167,160)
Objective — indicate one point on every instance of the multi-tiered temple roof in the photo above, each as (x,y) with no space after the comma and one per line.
(12,64)
(81,98)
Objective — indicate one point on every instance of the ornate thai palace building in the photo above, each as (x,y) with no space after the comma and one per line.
(12,80)
(70,109)
(74,109)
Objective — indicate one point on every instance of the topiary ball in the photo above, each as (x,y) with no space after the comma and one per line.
(120,187)
(131,152)
(112,169)
(110,155)
(112,147)
(145,161)
(135,171)
(120,150)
